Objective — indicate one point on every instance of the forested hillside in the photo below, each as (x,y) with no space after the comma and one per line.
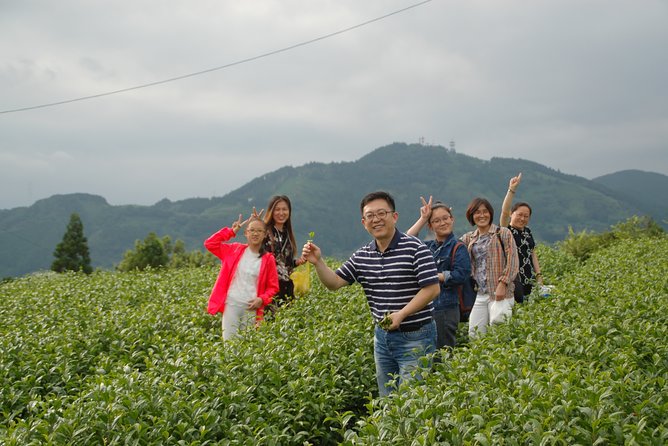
(326,201)
(648,190)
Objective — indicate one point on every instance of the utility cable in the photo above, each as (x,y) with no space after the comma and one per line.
(232,64)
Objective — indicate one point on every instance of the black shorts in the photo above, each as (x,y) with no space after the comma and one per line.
(522,291)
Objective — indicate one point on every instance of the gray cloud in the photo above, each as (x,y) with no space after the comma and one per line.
(575,85)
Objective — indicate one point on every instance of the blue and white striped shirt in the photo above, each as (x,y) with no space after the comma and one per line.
(391,279)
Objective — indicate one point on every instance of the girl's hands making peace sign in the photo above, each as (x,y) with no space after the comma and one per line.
(238,224)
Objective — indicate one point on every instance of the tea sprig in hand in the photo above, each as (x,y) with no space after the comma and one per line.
(386,322)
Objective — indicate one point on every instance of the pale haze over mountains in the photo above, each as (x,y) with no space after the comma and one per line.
(575,85)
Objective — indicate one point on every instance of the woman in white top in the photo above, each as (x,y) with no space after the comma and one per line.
(247,280)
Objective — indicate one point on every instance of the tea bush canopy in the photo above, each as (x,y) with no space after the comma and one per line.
(133,358)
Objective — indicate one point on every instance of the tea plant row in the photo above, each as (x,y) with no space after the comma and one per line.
(133,358)
(587,366)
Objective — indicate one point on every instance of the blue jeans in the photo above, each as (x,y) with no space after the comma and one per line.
(397,354)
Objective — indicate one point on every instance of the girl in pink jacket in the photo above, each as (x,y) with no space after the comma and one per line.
(247,280)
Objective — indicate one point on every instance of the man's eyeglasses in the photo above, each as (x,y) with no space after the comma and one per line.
(255,231)
(381,214)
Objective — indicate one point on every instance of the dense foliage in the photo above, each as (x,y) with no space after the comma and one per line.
(325,199)
(587,366)
(72,252)
(133,358)
(583,244)
(156,252)
(646,188)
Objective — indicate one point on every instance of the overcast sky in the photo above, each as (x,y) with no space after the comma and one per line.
(577,85)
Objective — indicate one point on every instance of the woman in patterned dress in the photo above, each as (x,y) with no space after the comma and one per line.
(281,243)
(516,218)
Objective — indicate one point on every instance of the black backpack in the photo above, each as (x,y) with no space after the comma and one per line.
(466,291)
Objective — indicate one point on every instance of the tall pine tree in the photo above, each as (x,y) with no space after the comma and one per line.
(72,253)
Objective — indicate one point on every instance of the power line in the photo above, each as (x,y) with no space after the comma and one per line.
(20,237)
(232,64)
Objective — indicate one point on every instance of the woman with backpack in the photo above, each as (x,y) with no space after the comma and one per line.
(453,266)
(516,218)
(494,265)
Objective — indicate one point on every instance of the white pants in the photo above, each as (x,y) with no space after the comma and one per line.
(236,319)
(483,307)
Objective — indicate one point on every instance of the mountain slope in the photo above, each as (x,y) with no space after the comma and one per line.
(647,189)
(325,200)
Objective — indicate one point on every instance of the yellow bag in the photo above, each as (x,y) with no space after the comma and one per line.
(301,277)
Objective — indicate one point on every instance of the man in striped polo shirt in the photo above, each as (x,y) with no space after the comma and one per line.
(399,278)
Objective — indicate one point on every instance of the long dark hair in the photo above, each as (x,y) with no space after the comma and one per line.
(269,217)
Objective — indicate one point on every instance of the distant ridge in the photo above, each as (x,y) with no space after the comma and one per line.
(648,190)
(326,201)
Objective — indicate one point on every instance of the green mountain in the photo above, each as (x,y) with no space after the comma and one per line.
(325,200)
(645,189)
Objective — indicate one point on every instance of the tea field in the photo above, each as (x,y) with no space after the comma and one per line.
(133,358)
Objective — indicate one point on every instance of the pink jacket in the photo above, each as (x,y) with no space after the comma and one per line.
(229,255)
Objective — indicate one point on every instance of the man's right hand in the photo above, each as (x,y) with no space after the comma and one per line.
(311,252)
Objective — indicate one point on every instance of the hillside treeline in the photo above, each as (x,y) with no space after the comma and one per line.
(325,199)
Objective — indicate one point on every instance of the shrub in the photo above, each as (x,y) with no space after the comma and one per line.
(555,263)
(583,244)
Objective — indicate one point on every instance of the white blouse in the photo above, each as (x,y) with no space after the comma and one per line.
(243,288)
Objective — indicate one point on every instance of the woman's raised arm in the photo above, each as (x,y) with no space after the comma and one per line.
(508,200)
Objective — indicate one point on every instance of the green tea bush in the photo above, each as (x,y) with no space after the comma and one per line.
(582,245)
(133,358)
(588,366)
(555,263)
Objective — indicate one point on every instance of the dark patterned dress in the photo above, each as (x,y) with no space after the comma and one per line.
(279,244)
(526,277)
